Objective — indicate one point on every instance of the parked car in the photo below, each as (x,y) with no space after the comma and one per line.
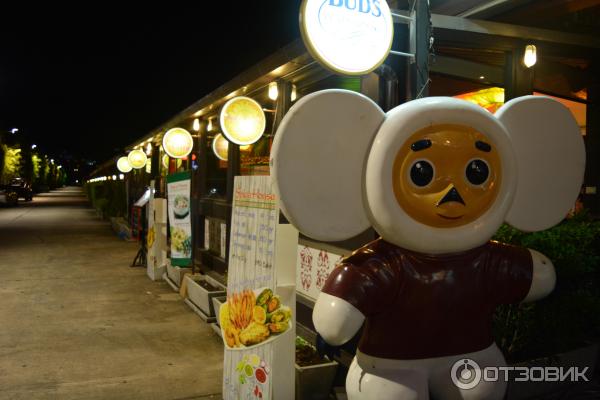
(8,196)
(23,188)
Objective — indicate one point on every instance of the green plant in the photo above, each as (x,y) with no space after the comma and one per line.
(570,316)
(109,197)
(11,164)
(306,353)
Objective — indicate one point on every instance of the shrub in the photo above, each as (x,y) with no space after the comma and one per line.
(570,316)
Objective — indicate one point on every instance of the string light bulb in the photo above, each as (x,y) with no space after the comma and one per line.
(530,56)
(294,94)
(273,90)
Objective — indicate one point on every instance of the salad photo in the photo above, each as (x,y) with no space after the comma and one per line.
(181,206)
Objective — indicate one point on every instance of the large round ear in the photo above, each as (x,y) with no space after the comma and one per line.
(550,160)
(318,159)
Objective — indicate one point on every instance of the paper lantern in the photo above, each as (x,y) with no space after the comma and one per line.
(178,143)
(220,147)
(137,159)
(242,120)
(123,165)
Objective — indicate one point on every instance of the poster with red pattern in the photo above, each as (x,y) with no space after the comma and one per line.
(313,266)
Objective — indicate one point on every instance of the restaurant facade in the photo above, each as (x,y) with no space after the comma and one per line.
(476,60)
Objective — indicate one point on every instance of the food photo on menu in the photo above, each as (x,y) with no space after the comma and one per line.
(253,317)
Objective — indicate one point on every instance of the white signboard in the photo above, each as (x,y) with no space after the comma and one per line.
(180,230)
(351,37)
(142,201)
(257,321)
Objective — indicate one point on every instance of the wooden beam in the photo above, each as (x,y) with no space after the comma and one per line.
(468,70)
(515,32)
(492,8)
(545,10)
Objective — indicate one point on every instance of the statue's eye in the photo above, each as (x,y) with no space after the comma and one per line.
(477,172)
(421,173)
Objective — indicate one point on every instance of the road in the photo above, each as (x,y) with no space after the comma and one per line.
(76,322)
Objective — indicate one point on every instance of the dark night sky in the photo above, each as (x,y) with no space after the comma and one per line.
(90,81)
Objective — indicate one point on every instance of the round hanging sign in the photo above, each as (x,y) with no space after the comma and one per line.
(350,37)
(165,161)
(178,143)
(220,146)
(123,165)
(242,120)
(137,159)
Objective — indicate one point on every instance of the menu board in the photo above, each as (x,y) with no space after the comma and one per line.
(180,230)
(257,321)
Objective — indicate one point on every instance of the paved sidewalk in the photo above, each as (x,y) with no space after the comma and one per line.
(77,323)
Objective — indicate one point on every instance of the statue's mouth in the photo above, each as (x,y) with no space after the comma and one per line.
(451,218)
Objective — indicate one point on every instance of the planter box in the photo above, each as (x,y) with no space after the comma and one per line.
(314,382)
(175,274)
(201,297)
(217,303)
(579,358)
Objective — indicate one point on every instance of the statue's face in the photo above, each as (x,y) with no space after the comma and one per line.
(446,175)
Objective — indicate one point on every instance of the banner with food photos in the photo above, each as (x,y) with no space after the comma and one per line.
(256,321)
(180,223)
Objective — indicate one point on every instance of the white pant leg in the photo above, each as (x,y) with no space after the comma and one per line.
(366,382)
(442,387)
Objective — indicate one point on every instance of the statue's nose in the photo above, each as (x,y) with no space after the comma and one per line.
(452,195)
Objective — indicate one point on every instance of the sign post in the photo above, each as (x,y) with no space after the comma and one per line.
(258,319)
(156,238)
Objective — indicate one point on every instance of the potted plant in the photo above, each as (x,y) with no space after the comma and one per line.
(314,374)
(201,289)
(561,330)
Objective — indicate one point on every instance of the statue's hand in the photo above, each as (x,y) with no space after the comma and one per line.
(543,279)
(335,319)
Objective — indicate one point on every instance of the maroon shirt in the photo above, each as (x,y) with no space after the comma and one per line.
(420,306)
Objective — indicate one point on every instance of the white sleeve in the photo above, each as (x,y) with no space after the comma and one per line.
(544,277)
(336,320)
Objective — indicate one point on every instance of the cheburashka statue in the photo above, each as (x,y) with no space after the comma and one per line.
(435,177)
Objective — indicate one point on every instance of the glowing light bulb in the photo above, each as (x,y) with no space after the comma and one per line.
(530,56)
(273,91)
(294,94)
